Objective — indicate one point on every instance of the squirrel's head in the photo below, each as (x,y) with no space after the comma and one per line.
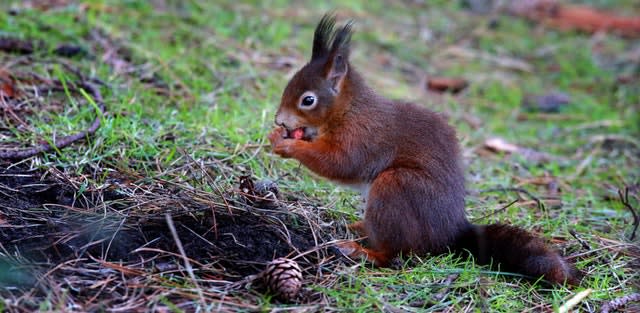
(316,94)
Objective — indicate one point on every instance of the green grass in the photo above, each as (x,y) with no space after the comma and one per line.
(221,63)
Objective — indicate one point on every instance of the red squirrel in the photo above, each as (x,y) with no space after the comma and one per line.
(404,159)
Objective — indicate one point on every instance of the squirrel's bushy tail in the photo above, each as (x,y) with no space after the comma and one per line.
(512,249)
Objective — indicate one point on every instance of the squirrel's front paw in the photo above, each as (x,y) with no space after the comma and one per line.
(281,145)
(284,148)
(277,135)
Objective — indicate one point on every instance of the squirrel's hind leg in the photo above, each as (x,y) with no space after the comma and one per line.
(358,228)
(354,250)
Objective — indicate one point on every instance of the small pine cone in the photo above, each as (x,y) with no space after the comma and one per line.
(267,193)
(284,278)
(263,193)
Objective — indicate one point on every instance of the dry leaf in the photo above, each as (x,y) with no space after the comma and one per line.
(579,17)
(7,89)
(501,145)
(7,85)
(446,84)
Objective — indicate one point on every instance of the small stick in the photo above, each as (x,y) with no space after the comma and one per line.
(519,190)
(187,264)
(7,108)
(620,301)
(574,300)
(496,211)
(625,201)
(447,285)
(59,143)
(580,240)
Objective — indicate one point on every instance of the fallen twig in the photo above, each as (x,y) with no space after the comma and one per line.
(25,46)
(580,240)
(619,302)
(574,300)
(59,143)
(496,211)
(625,201)
(12,114)
(518,190)
(15,45)
(447,285)
(187,264)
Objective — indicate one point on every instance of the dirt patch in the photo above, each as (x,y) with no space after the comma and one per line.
(47,222)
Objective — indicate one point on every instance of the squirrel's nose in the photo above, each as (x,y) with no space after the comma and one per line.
(278,120)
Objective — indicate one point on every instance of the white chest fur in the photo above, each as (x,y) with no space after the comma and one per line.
(362,188)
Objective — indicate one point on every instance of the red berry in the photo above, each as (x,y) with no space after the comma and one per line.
(297,133)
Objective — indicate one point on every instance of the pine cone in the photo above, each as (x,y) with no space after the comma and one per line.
(263,193)
(284,278)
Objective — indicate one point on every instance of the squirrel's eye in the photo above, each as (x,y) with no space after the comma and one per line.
(308,101)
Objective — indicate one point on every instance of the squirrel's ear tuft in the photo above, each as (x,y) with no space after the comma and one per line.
(322,36)
(327,41)
(332,46)
(341,40)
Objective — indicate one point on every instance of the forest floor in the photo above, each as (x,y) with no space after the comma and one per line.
(156,189)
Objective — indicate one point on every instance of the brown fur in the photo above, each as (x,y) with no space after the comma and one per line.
(408,159)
